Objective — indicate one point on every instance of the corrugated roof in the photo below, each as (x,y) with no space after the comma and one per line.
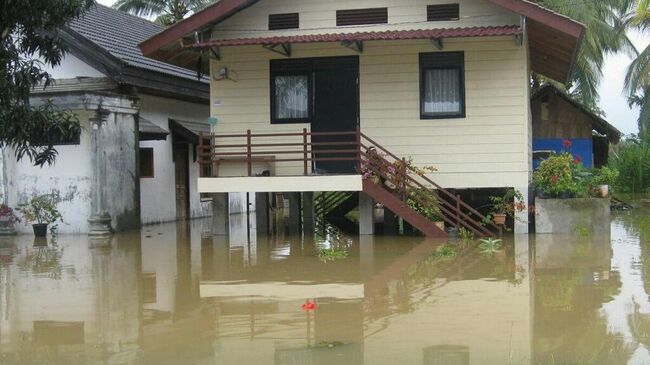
(119,33)
(507,30)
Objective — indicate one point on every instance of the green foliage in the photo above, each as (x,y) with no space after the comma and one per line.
(557,176)
(509,203)
(604,176)
(327,254)
(430,210)
(490,245)
(42,209)
(465,234)
(446,252)
(28,30)
(631,159)
(168,12)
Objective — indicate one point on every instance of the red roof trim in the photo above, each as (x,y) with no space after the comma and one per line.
(368,36)
(212,14)
(543,15)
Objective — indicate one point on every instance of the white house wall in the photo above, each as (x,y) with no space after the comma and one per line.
(488,148)
(72,67)
(70,177)
(158,194)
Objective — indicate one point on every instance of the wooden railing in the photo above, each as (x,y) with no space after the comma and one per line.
(369,158)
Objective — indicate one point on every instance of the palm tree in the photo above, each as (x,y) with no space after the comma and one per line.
(637,81)
(167,12)
(605,34)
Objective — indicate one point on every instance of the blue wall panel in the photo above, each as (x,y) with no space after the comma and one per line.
(580,148)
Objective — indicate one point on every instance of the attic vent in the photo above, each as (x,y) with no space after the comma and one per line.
(284,21)
(362,16)
(443,12)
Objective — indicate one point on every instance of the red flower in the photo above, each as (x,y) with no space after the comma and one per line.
(577,160)
(309,306)
(567,144)
(555,179)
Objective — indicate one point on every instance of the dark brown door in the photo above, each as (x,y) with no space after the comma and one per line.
(336,109)
(181,166)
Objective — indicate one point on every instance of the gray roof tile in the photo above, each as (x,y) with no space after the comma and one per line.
(119,33)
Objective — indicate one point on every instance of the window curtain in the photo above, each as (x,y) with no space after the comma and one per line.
(442,91)
(291,97)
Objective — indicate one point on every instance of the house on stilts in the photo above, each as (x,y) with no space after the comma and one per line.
(355,98)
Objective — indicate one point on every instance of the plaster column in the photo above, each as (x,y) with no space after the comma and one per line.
(366,215)
(522,218)
(3,177)
(220,214)
(262,213)
(100,220)
(295,223)
(309,223)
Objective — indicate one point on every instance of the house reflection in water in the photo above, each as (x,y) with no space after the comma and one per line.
(173,295)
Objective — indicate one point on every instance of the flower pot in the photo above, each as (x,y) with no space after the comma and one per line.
(603,191)
(7,226)
(40,229)
(500,219)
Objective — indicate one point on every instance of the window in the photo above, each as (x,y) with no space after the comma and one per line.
(442,85)
(284,21)
(290,94)
(146,163)
(361,16)
(443,12)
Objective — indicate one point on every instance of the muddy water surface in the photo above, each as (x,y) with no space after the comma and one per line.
(173,294)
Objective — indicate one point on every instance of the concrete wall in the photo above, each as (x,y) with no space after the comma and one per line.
(572,216)
(70,177)
(158,202)
(71,67)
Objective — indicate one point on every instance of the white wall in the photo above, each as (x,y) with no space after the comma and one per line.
(70,177)
(72,67)
(158,194)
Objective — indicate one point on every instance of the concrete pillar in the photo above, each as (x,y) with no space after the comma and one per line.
(262,213)
(220,214)
(100,220)
(390,223)
(309,223)
(295,205)
(366,215)
(367,256)
(521,218)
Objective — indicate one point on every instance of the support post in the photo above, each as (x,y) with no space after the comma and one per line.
(100,220)
(522,218)
(262,213)
(309,223)
(220,214)
(366,215)
(295,223)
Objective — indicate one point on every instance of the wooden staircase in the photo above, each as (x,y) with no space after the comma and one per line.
(391,181)
(332,207)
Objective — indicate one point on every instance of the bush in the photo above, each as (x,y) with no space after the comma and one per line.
(631,159)
(558,176)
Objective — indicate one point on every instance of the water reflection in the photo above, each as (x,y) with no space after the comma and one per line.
(173,294)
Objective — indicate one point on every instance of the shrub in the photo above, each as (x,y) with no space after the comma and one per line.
(631,159)
(558,176)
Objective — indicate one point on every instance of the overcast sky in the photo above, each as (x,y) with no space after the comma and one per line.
(611,89)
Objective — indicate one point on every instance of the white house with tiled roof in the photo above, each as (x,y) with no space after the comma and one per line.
(135,158)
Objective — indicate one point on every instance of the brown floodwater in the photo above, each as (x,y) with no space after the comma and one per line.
(173,294)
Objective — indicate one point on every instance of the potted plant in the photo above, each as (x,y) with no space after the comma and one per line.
(506,205)
(7,220)
(601,180)
(42,212)
(430,210)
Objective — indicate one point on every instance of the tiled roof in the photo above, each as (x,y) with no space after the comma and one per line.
(120,33)
(507,30)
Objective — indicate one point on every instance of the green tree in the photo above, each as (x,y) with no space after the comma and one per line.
(606,33)
(29,41)
(167,12)
(637,80)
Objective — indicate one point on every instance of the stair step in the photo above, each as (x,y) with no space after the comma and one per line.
(390,201)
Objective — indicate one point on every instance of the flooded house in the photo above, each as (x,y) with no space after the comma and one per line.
(135,160)
(359,97)
(557,117)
